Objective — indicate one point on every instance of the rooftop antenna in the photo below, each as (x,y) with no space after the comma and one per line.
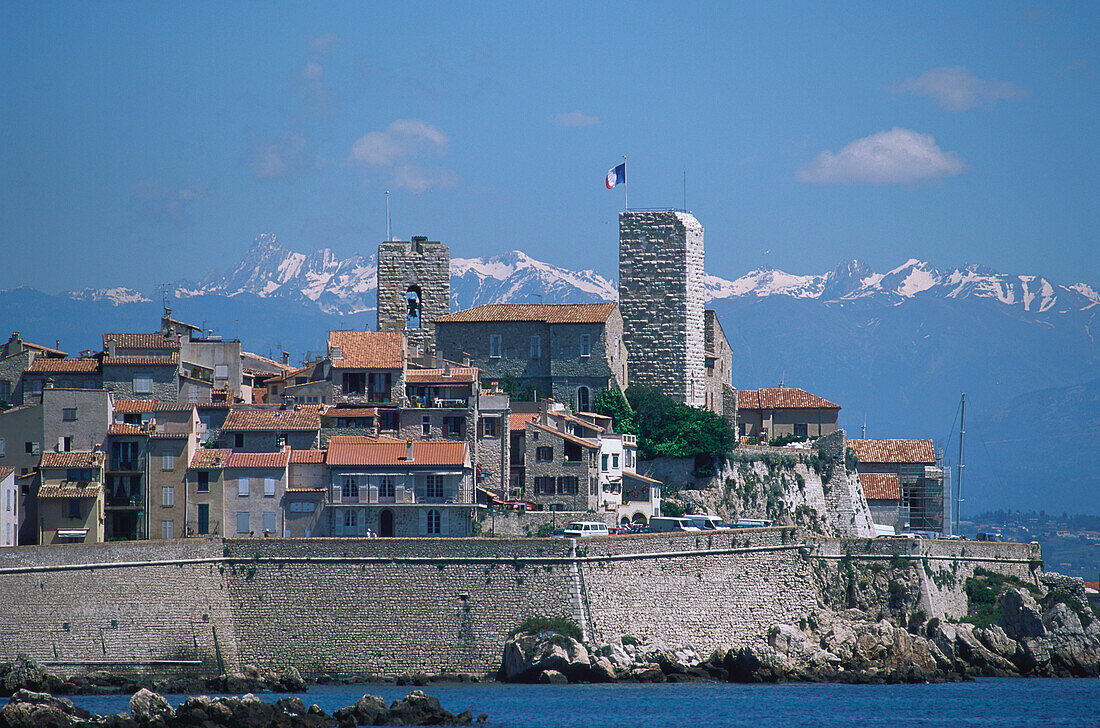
(389,236)
(685,188)
(863,429)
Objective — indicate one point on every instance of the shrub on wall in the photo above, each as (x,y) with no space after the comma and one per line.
(665,427)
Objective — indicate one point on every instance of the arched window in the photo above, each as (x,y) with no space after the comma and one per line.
(412,303)
(434,523)
(584,399)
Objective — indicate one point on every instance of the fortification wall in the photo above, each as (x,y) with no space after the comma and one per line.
(131,607)
(526,523)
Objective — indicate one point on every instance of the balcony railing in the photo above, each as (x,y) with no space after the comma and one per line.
(135,465)
(125,501)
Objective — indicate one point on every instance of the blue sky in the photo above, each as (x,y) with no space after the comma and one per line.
(152,142)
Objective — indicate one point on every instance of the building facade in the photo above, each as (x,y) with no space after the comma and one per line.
(414,289)
(920,479)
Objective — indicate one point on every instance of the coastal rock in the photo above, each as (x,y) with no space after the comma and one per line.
(552,677)
(29,709)
(971,651)
(148,708)
(26,674)
(368,710)
(420,709)
(527,655)
(1023,615)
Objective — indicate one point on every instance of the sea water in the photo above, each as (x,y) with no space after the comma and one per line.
(985,703)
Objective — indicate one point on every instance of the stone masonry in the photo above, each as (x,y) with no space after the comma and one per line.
(422,266)
(661,298)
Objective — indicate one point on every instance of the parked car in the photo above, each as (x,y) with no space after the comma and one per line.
(662,524)
(640,528)
(705,522)
(584,529)
(753,523)
(618,530)
(989,536)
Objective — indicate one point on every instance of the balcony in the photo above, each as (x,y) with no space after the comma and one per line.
(132,465)
(439,402)
(123,501)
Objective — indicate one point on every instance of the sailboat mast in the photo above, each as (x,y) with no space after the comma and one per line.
(959,487)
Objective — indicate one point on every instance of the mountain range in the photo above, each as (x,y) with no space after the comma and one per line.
(894,349)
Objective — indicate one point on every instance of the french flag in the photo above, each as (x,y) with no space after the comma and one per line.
(616,176)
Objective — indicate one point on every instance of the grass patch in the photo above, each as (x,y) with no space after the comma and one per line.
(983,591)
(561,625)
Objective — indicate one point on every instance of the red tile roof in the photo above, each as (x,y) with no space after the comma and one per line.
(351,450)
(519,421)
(566,436)
(49,366)
(272,420)
(881,486)
(639,476)
(5,472)
(143,361)
(551,313)
(46,349)
(346,439)
(140,341)
(352,412)
(276,367)
(117,429)
(206,458)
(781,398)
(367,349)
(134,406)
(91,490)
(894,451)
(72,459)
(259,459)
(457,375)
(307,457)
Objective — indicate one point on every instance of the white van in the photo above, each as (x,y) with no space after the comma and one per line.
(582,529)
(661,524)
(704,522)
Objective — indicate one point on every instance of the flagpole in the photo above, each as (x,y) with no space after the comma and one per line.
(626,188)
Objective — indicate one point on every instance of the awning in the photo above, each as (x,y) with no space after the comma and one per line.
(72,533)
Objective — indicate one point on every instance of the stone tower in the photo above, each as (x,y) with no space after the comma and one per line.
(661,299)
(414,289)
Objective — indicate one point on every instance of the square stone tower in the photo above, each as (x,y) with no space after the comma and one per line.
(661,299)
(414,289)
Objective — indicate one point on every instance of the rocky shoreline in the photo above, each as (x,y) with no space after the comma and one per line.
(29,709)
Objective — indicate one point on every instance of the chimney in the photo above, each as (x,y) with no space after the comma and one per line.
(465,359)
(409,451)
(111,348)
(286,358)
(57,344)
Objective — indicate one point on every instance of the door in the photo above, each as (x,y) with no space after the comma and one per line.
(385,524)
(204,518)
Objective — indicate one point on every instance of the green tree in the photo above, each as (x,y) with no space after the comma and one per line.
(611,403)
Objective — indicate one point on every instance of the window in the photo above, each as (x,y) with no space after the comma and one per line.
(5,390)
(385,486)
(204,518)
(7,499)
(494,346)
(74,508)
(3,447)
(489,426)
(302,507)
(349,488)
(584,399)
(536,347)
(166,529)
(567,485)
(221,371)
(238,440)
(203,482)
(544,485)
(379,386)
(388,419)
(603,462)
(168,461)
(453,425)
(269,521)
(192,394)
(573,452)
(426,425)
(242,522)
(355,382)
(350,519)
(68,414)
(586,344)
(800,429)
(269,487)
(65,444)
(143,384)
(79,475)
(242,487)
(412,306)
(544,454)
(168,496)
(435,486)
(615,460)
(434,522)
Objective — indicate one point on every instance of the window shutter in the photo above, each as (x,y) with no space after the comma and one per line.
(423,523)
(61,444)
(269,486)
(443,522)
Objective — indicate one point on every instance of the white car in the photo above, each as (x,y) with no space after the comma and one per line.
(582,529)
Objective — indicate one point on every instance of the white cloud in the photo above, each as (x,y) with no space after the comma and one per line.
(419,180)
(284,157)
(956,89)
(322,43)
(576,118)
(897,156)
(403,138)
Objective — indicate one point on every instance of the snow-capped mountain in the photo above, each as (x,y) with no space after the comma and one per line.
(344,286)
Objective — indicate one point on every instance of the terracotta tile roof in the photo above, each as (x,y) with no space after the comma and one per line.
(458,375)
(286,376)
(639,476)
(5,472)
(49,366)
(587,424)
(18,408)
(346,439)
(307,457)
(351,450)
(272,420)
(193,379)
(45,349)
(140,341)
(276,367)
(781,398)
(173,406)
(881,486)
(206,458)
(70,491)
(117,429)
(550,313)
(143,361)
(894,451)
(566,436)
(259,395)
(259,459)
(183,323)
(367,349)
(351,412)
(72,459)
(519,421)
(306,490)
(134,406)
(161,435)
